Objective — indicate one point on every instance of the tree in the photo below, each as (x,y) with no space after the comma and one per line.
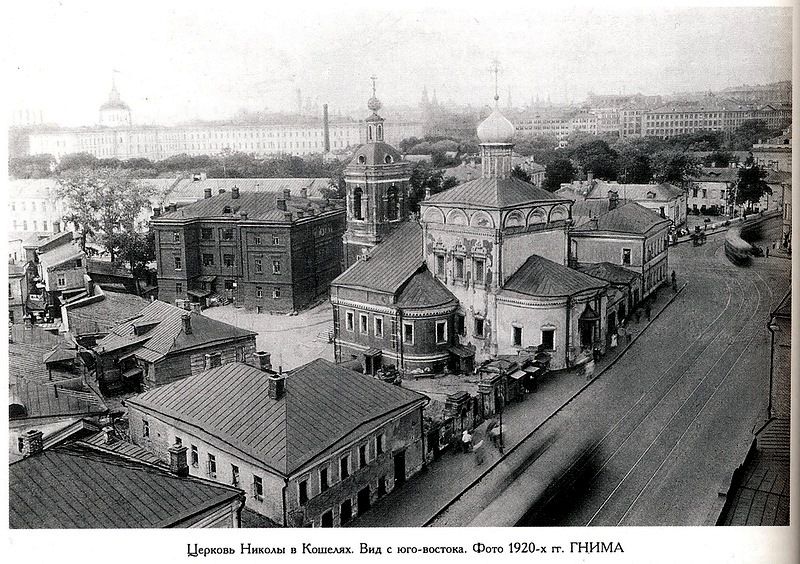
(719,158)
(633,165)
(34,166)
(519,172)
(105,204)
(558,172)
(423,178)
(596,157)
(751,186)
(674,166)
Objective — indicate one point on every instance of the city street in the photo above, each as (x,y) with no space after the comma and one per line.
(655,439)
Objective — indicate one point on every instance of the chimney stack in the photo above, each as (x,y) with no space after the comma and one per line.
(326,136)
(281,203)
(287,194)
(300,214)
(263,360)
(589,176)
(235,192)
(222,190)
(277,386)
(187,323)
(32,443)
(206,193)
(613,200)
(304,192)
(108,435)
(157,212)
(243,214)
(177,460)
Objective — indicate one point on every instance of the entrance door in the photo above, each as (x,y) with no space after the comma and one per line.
(327,519)
(346,511)
(587,333)
(400,468)
(363,500)
(612,325)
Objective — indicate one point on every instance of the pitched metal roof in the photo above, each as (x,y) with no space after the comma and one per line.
(390,263)
(493,193)
(259,206)
(627,218)
(325,406)
(423,290)
(168,335)
(76,487)
(609,272)
(91,317)
(47,400)
(655,192)
(60,255)
(718,174)
(539,276)
(189,189)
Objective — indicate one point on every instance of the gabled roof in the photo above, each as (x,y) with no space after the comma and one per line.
(75,487)
(167,334)
(48,400)
(91,316)
(60,255)
(189,189)
(718,174)
(540,277)
(627,218)
(656,192)
(259,206)
(423,290)
(390,263)
(609,272)
(493,193)
(325,406)
(778,177)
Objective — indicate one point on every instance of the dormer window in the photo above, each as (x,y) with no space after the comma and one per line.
(388,159)
(226,209)
(362,159)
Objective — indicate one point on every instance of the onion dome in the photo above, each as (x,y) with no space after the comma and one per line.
(496,129)
(374,104)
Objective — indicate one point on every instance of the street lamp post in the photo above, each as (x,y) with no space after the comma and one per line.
(771,327)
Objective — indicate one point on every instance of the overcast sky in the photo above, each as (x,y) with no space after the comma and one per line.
(184,60)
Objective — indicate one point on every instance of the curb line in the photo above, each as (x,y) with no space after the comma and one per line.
(503,457)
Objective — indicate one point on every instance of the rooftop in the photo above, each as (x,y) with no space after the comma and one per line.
(423,290)
(718,174)
(390,264)
(75,487)
(324,407)
(40,400)
(60,255)
(609,272)
(189,189)
(167,333)
(92,316)
(656,192)
(541,277)
(628,218)
(372,154)
(493,193)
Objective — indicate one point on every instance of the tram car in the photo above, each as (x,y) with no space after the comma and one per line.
(738,251)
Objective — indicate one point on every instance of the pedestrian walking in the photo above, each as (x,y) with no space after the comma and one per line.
(767,252)
(647,311)
(466,440)
(480,455)
(588,369)
(614,341)
(674,281)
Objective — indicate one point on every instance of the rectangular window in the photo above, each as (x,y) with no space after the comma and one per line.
(722,194)
(349,320)
(178,288)
(323,479)
(479,269)
(62,280)
(379,327)
(276,240)
(212,466)
(145,428)
(517,336)
(235,475)
(276,267)
(208,259)
(408,333)
(459,262)
(344,467)
(346,511)
(257,239)
(440,265)
(363,323)
(276,293)
(441,332)
(478,327)
(206,234)
(227,234)
(362,456)
(178,263)
(302,491)
(548,339)
(379,444)
(258,488)
(227,260)
(195,457)
(259,292)
(176,237)
(626,256)
(259,265)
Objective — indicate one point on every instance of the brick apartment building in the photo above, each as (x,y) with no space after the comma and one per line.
(264,251)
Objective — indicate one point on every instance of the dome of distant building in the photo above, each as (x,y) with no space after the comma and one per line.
(374,104)
(114,112)
(496,129)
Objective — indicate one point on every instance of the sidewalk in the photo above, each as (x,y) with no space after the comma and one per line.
(444,480)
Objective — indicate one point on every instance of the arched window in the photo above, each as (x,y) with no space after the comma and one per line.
(515,219)
(369,133)
(357,196)
(392,204)
(380,132)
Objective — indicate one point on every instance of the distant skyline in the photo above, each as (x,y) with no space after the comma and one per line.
(203,60)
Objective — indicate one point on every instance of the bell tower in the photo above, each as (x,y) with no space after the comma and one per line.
(377,183)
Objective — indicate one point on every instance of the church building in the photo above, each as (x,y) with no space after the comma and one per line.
(484,272)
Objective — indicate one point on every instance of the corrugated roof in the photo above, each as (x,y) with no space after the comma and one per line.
(493,193)
(609,272)
(390,263)
(627,218)
(168,334)
(423,290)
(539,276)
(261,206)
(75,487)
(189,190)
(325,406)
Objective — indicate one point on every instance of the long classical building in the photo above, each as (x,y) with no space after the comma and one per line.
(265,251)
(485,272)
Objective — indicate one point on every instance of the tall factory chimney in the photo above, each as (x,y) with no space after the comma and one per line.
(326,135)
(299,103)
